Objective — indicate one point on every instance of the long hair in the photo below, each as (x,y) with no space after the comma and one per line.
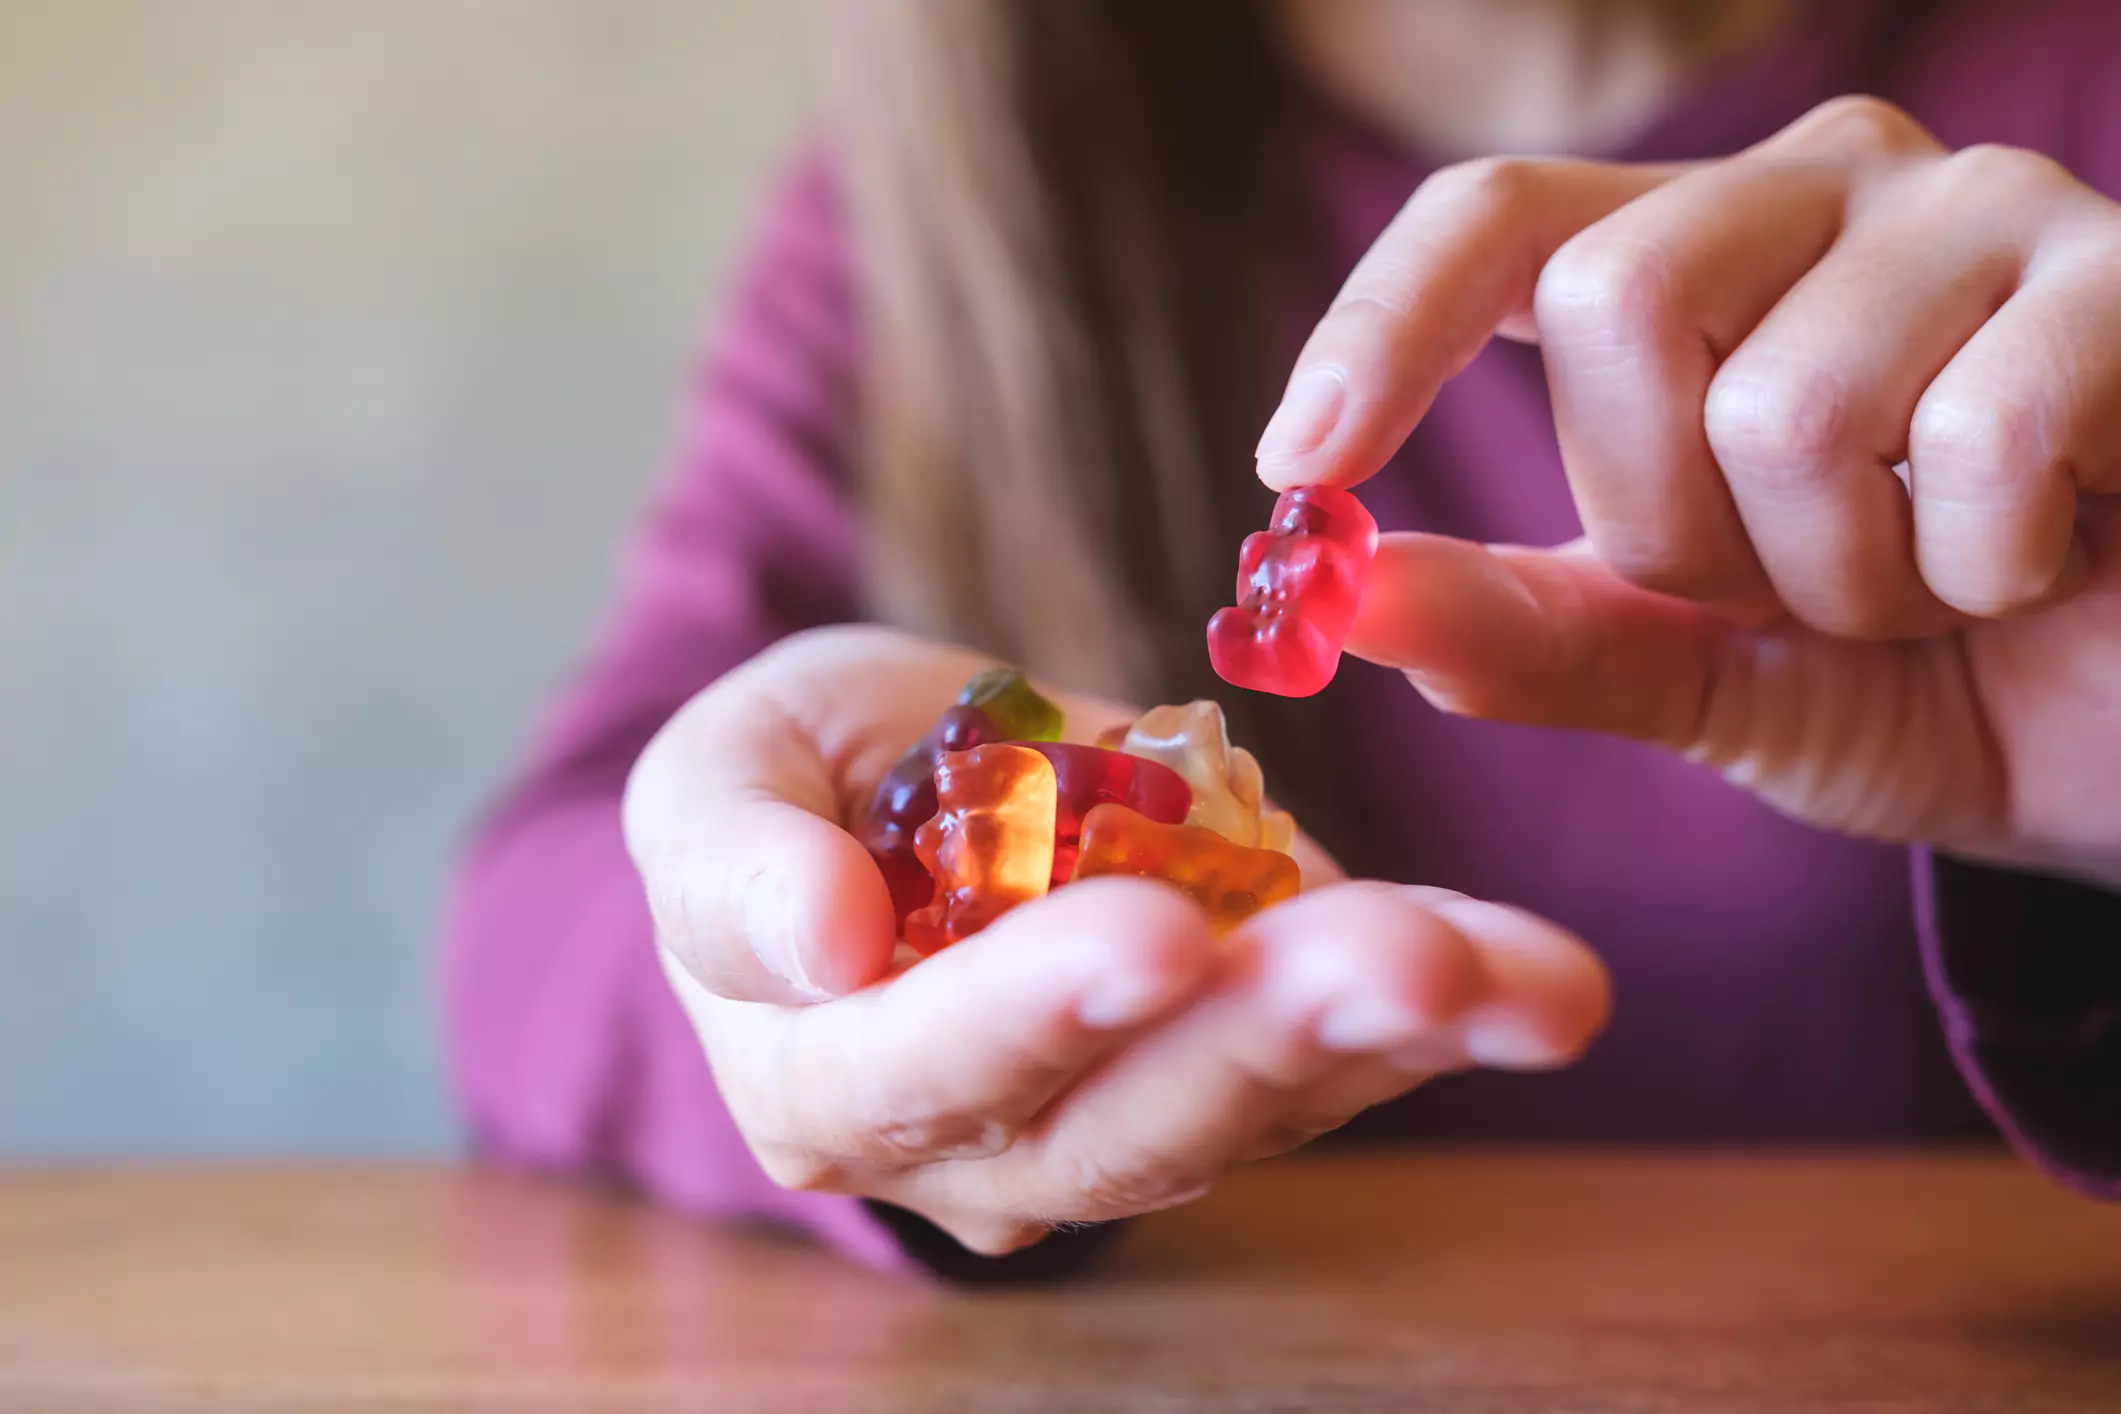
(1056,205)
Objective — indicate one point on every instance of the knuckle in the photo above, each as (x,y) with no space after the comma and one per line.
(1605,290)
(1648,557)
(1573,660)
(1357,331)
(1353,325)
(1975,447)
(928,1138)
(2005,176)
(1863,125)
(1108,1190)
(686,931)
(1491,185)
(674,903)
(1783,429)
(907,1127)
(2091,237)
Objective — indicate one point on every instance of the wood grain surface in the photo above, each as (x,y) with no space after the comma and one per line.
(1497,1282)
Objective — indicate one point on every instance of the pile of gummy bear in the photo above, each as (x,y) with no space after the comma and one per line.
(991,809)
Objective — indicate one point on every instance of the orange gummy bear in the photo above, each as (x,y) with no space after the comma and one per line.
(1231,881)
(989,846)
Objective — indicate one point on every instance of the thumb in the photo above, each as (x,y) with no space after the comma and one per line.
(1879,740)
(730,816)
(1541,637)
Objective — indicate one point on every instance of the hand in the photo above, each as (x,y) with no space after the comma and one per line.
(1842,418)
(1092,1055)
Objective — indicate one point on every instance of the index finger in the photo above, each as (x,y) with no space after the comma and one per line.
(1460,261)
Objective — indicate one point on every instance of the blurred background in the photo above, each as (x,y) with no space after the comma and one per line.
(338,344)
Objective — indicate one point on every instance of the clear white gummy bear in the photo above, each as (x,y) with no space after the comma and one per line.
(1228,789)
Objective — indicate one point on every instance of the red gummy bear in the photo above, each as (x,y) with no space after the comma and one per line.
(1090,776)
(1299,583)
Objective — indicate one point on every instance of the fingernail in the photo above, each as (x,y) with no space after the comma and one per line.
(1367,1024)
(1304,420)
(769,919)
(1122,999)
(1505,1043)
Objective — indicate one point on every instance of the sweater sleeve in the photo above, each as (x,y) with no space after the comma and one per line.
(2026,972)
(567,1049)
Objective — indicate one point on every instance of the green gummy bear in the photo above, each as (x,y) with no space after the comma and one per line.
(1017,710)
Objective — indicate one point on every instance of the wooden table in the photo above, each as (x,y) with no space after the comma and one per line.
(1353,1282)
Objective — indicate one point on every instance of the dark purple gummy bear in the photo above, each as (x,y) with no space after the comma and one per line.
(905,800)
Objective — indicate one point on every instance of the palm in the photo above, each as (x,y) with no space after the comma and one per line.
(847,702)
(1091,1055)
(853,699)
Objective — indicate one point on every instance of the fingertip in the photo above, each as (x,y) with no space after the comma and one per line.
(1302,426)
(1280,474)
(1985,572)
(1154,942)
(1549,1034)
(836,926)
(773,903)
(1367,961)
(1162,917)
(1548,995)
(1123,950)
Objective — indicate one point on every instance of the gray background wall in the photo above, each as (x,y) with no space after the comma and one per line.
(337,344)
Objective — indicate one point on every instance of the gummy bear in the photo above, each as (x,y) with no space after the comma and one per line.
(1090,776)
(909,881)
(1014,706)
(990,845)
(1229,880)
(1299,583)
(905,800)
(1228,789)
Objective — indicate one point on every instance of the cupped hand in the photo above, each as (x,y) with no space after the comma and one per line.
(1093,1055)
(1842,419)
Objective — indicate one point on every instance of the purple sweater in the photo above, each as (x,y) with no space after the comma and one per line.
(1773,982)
